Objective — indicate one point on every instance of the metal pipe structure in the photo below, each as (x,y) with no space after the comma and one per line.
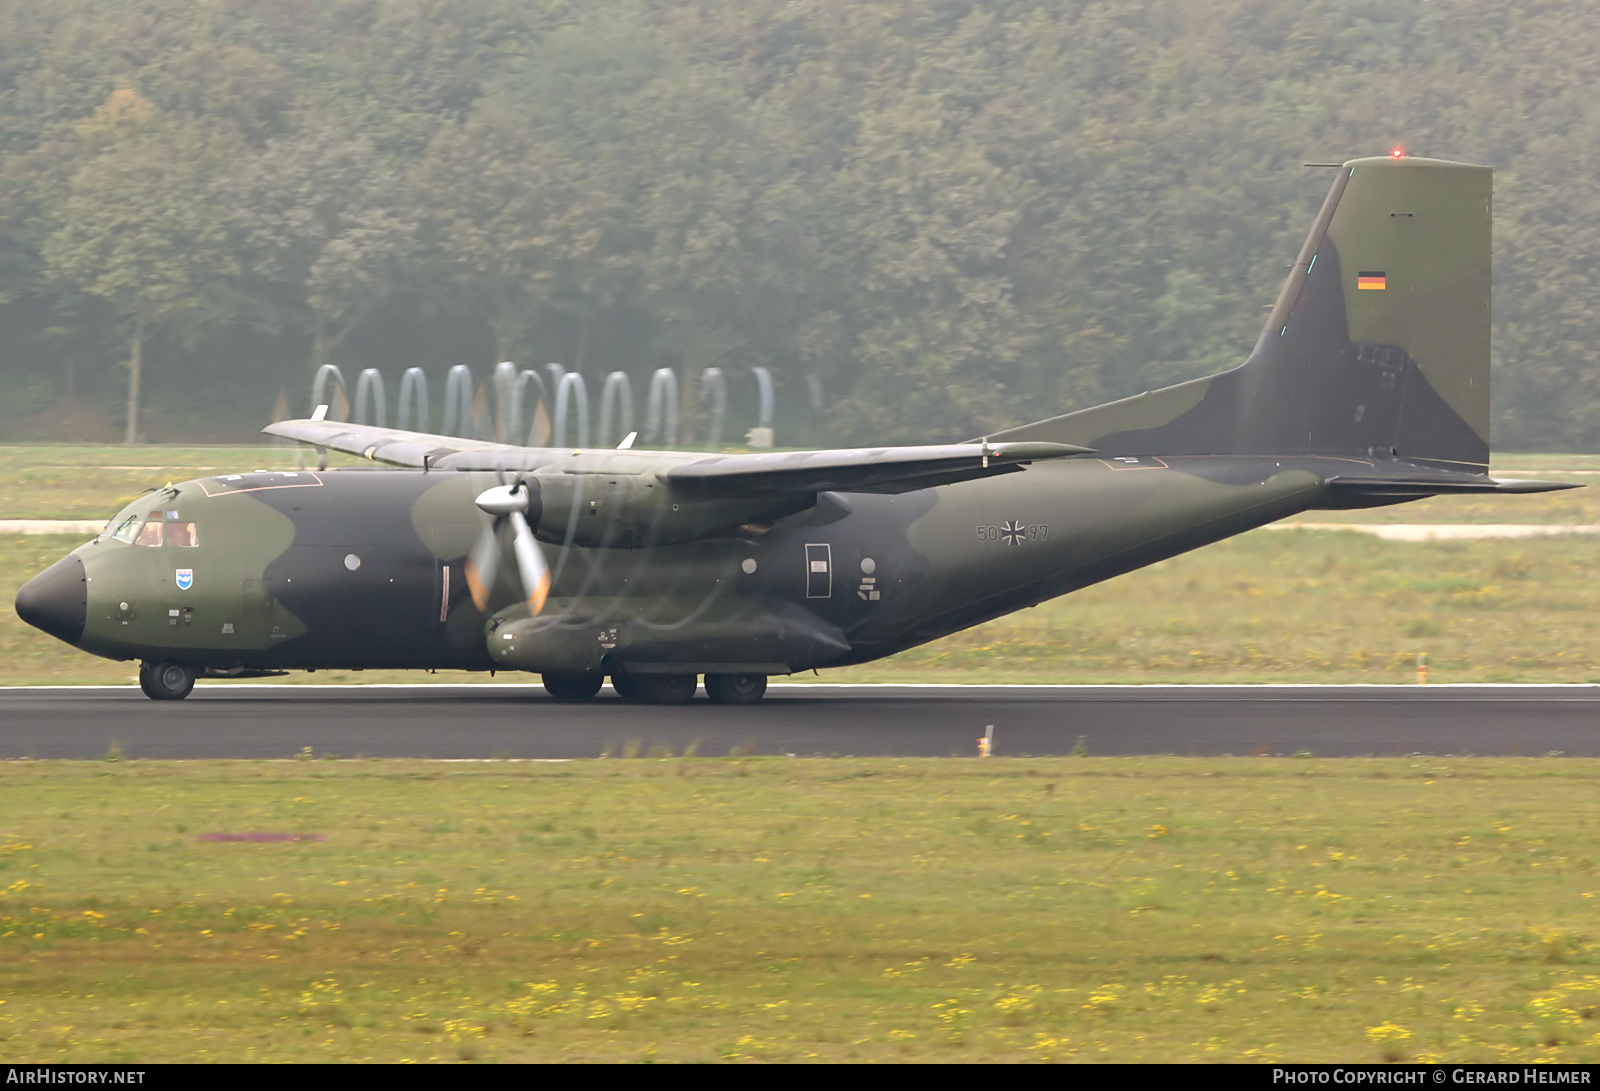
(319,387)
(714,388)
(369,387)
(618,392)
(519,400)
(457,403)
(505,374)
(571,390)
(563,393)
(661,410)
(764,381)
(413,384)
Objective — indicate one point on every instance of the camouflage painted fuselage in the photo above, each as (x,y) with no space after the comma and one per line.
(362,569)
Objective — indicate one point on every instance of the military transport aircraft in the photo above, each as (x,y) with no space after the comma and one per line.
(1369,385)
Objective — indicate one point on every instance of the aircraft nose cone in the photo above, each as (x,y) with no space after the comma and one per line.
(57,600)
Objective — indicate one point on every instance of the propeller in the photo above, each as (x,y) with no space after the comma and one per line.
(510,504)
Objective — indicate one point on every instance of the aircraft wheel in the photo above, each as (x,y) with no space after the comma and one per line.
(167,680)
(668,689)
(654,689)
(736,689)
(627,686)
(573,687)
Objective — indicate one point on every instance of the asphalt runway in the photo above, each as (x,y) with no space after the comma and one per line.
(505,721)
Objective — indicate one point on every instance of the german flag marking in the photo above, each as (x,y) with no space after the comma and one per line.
(1371,282)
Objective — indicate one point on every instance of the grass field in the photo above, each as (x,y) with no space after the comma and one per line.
(69,481)
(692,908)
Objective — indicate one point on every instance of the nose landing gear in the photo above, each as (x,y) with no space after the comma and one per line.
(167,680)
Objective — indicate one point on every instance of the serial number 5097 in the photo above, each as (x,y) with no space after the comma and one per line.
(1014,533)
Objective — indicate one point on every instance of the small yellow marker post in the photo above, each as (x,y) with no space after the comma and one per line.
(987,741)
(1422,668)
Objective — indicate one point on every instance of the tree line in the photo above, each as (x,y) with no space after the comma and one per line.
(956,214)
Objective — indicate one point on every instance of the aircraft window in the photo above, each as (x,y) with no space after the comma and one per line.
(181,534)
(127,529)
(150,535)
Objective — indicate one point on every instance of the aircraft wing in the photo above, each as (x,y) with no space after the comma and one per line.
(774,473)
(867,469)
(418,450)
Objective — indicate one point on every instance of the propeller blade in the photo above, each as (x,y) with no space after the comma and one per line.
(483,564)
(512,503)
(530,563)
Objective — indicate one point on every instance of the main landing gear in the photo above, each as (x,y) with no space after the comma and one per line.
(677,689)
(167,680)
(573,687)
(736,689)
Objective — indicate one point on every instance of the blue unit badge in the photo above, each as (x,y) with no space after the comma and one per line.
(185,579)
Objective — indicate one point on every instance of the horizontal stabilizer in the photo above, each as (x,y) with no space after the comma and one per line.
(1426,484)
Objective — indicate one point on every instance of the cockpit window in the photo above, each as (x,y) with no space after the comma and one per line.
(155,533)
(127,529)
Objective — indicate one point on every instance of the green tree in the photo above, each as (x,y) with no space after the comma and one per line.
(140,227)
(324,229)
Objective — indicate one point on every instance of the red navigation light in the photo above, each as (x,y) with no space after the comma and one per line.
(1397,153)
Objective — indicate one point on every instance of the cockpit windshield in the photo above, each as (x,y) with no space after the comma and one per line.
(156,531)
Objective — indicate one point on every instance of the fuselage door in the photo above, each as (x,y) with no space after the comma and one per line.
(819,571)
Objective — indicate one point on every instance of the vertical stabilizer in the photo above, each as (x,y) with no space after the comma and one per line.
(1378,345)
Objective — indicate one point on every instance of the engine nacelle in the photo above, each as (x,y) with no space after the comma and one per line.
(630,511)
(748,637)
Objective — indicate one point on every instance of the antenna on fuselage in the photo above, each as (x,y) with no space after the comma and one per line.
(627,441)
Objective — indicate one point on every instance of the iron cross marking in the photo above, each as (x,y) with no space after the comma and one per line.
(1014,533)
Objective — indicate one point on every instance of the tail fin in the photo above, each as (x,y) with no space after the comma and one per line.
(1378,345)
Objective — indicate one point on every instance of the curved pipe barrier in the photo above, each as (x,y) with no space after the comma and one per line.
(505,375)
(618,393)
(413,385)
(457,403)
(661,410)
(319,387)
(764,384)
(516,405)
(369,387)
(714,388)
(519,402)
(570,390)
